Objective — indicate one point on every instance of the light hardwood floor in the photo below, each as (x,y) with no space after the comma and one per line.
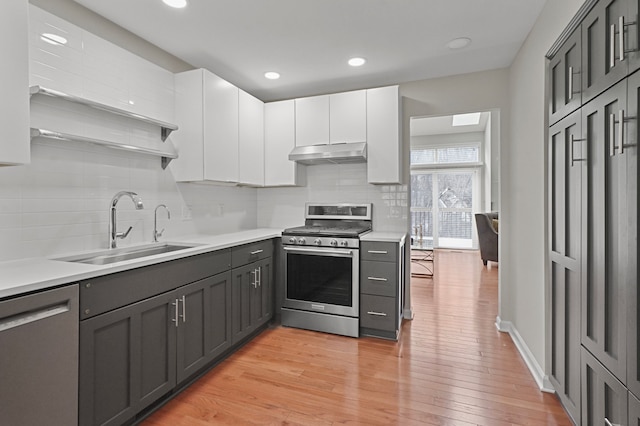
(450,367)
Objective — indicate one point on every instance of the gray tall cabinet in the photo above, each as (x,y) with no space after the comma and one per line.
(593,206)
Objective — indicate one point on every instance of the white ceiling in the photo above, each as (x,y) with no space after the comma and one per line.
(309,41)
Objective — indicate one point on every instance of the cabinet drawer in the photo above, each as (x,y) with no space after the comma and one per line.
(379,278)
(102,294)
(378,312)
(373,250)
(242,255)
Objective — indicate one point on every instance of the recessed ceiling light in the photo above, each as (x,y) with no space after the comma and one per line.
(466,119)
(272,75)
(178,4)
(53,39)
(459,43)
(357,62)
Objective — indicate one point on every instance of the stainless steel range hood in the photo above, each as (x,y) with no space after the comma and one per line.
(330,154)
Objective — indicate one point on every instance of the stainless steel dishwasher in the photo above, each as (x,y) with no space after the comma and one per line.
(39,358)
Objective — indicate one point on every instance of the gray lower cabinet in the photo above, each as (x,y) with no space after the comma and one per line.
(127,360)
(251,298)
(132,356)
(204,323)
(604,398)
(39,359)
(381,289)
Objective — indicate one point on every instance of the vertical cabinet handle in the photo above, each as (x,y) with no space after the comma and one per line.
(175,319)
(621,131)
(570,83)
(612,135)
(184,309)
(607,422)
(621,38)
(260,276)
(572,141)
(612,46)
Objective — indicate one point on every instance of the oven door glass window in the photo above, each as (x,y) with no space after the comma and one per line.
(320,279)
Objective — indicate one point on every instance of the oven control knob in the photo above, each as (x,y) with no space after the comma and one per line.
(333,243)
(292,240)
(343,243)
(317,241)
(302,241)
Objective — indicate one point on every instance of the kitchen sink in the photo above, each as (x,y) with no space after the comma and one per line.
(106,257)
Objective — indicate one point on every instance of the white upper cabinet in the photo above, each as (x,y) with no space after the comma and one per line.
(312,120)
(14,81)
(207,113)
(279,140)
(384,137)
(251,140)
(348,117)
(336,118)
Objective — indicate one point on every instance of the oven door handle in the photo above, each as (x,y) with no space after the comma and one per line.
(318,251)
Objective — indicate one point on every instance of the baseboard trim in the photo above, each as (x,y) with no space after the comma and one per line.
(541,379)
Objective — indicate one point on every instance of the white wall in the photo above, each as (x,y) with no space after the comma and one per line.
(60,202)
(340,183)
(523,266)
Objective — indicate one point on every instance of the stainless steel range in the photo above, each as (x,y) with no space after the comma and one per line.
(322,268)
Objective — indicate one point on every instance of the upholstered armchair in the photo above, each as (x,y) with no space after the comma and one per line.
(488,236)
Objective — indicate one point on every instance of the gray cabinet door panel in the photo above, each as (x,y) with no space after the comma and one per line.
(219,315)
(597,72)
(606,234)
(242,282)
(565,230)
(127,360)
(192,322)
(564,73)
(634,411)
(631,154)
(603,396)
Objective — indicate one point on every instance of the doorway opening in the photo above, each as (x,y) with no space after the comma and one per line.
(453,176)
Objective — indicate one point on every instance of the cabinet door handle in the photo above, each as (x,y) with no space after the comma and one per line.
(608,422)
(378,252)
(259,276)
(377,314)
(254,273)
(570,83)
(621,50)
(621,130)
(612,46)
(377,279)
(184,309)
(175,319)
(256,252)
(612,135)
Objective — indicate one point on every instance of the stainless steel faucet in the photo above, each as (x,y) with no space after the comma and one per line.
(113,233)
(157,234)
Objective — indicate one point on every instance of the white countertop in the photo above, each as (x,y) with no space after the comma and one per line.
(387,237)
(27,275)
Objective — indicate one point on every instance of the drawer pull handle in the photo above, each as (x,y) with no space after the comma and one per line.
(377,314)
(378,252)
(256,252)
(377,279)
